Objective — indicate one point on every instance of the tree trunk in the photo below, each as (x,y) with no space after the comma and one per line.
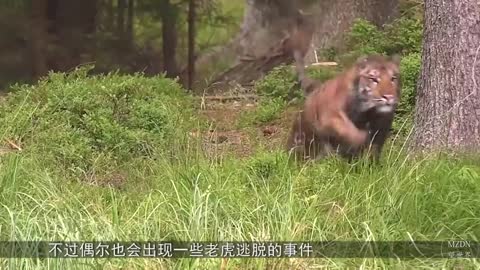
(266,22)
(109,15)
(39,38)
(448,102)
(169,38)
(122,5)
(131,7)
(381,11)
(191,42)
(334,18)
(76,23)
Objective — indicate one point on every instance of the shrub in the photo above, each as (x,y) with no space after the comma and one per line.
(365,38)
(263,166)
(282,82)
(266,111)
(402,36)
(278,83)
(329,54)
(267,165)
(323,73)
(277,88)
(410,70)
(83,122)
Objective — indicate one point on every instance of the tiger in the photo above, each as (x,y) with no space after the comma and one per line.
(348,113)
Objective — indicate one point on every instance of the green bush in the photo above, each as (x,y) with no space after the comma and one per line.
(329,54)
(365,38)
(278,83)
(322,74)
(410,70)
(87,122)
(277,88)
(402,36)
(264,165)
(267,110)
(282,82)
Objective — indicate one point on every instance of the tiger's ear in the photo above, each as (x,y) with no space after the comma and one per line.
(396,58)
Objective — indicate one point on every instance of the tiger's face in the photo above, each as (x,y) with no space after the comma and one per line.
(378,83)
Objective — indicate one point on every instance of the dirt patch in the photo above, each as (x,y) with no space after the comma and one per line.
(225,137)
(221,143)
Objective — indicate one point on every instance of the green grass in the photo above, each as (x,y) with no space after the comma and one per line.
(260,198)
(176,193)
(266,111)
(188,197)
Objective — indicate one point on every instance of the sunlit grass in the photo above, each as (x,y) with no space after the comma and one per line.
(262,198)
(177,193)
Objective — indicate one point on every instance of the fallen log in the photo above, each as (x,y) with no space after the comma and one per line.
(246,72)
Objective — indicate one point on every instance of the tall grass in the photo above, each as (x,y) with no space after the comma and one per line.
(260,198)
(177,193)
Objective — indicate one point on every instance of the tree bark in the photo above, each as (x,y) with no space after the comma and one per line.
(334,18)
(448,102)
(266,22)
(122,6)
(39,38)
(169,38)
(130,13)
(75,24)
(109,15)
(191,43)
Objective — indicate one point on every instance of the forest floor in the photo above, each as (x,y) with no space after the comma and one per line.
(227,136)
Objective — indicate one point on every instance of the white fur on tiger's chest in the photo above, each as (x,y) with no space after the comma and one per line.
(384,109)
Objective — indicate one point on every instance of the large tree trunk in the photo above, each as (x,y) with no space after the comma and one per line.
(333,19)
(109,15)
(38,40)
(130,17)
(75,25)
(266,21)
(264,24)
(448,102)
(169,37)
(121,8)
(191,43)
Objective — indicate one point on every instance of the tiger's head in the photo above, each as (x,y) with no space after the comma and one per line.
(378,83)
